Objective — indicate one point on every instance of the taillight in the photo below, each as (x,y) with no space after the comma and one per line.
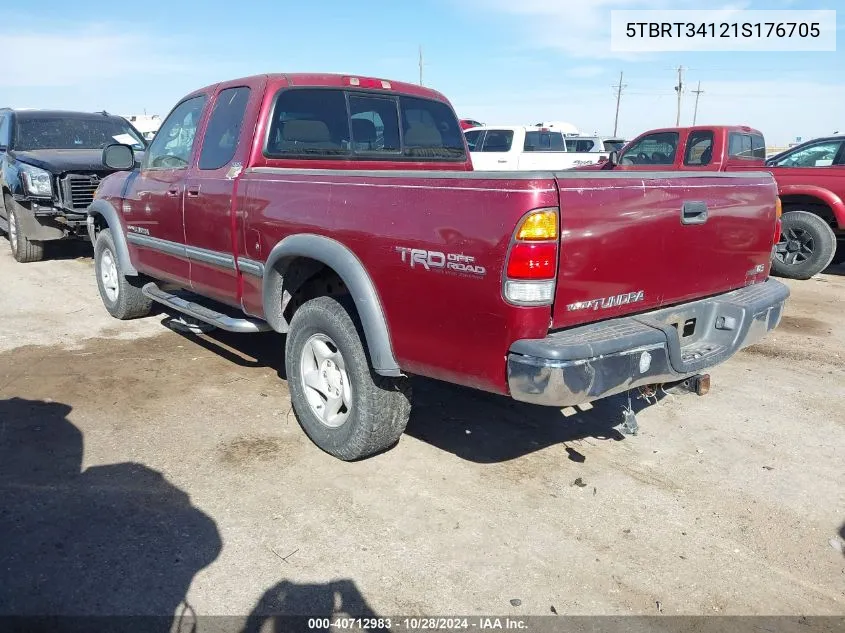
(531,269)
(778,214)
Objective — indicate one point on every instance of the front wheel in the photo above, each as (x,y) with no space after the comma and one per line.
(344,407)
(122,298)
(806,247)
(24,249)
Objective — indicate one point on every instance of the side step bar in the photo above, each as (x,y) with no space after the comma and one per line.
(202,313)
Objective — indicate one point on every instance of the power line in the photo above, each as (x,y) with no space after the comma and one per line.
(697,93)
(619,87)
(680,90)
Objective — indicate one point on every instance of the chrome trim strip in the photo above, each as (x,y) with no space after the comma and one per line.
(193,253)
(250,267)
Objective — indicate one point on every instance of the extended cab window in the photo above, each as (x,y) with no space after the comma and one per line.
(746,145)
(653,149)
(224,128)
(473,139)
(497,141)
(543,142)
(699,149)
(816,155)
(172,145)
(375,124)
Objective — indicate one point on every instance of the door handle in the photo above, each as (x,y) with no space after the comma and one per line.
(694,212)
(193,191)
(174,191)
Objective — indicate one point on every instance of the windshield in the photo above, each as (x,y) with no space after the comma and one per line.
(72,133)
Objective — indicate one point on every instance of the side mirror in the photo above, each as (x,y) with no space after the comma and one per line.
(612,160)
(119,157)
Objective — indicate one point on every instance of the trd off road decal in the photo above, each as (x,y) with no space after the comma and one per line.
(436,260)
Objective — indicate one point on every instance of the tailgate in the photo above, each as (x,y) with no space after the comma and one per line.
(632,242)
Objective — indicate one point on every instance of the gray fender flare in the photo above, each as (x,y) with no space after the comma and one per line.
(350,269)
(105,210)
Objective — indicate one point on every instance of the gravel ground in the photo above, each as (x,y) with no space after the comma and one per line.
(147,471)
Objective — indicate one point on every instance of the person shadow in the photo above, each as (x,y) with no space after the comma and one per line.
(289,607)
(110,540)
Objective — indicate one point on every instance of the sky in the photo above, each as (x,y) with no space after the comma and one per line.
(498,61)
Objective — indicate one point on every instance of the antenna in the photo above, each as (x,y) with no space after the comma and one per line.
(421,65)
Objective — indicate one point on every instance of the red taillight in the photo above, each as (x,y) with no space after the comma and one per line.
(531,271)
(778,214)
(533,260)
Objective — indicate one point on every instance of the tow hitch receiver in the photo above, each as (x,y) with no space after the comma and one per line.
(698,384)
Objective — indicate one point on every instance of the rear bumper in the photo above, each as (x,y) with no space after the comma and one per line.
(597,360)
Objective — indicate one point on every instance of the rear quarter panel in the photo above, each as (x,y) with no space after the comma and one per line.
(443,324)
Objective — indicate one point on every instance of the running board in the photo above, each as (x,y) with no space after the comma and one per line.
(202,313)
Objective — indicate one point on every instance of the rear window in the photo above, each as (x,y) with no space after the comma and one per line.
(314,123)
(473,138)
(742,145)
(497,141)
(44,132)
(580,145)
(544,142)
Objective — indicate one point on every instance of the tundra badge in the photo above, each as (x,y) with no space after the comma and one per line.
(607,302)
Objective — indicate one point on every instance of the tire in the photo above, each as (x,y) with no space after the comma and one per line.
(325,338)
(121,296)
(24,249)
(806,246)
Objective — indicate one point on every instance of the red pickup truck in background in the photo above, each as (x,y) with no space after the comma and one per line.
(343,211)
(810,178)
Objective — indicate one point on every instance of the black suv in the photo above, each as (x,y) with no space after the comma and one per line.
(50,167)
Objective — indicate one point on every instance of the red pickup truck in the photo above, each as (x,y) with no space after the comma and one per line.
(810,178)
(343,211)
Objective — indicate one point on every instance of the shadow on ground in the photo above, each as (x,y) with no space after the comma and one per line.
(117,539)
(340,598)
(471,424)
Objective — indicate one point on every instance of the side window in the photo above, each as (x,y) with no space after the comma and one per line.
(817,155)
(746,145)
(653,149)
(543,142)
(375,124)
(224,128)
(699,148)
(172,145)
(430,130)
(473,138)
(309,122)
(4,131)
(497,141)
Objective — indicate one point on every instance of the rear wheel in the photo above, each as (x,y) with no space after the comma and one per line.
(806,247)
(344,407)
(24,250)
(121,296)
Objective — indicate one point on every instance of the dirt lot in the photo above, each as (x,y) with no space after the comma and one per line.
(144,470)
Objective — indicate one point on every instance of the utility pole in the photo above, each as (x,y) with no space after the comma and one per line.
(421,65)
(619,88)
(696,92)
(680,90)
